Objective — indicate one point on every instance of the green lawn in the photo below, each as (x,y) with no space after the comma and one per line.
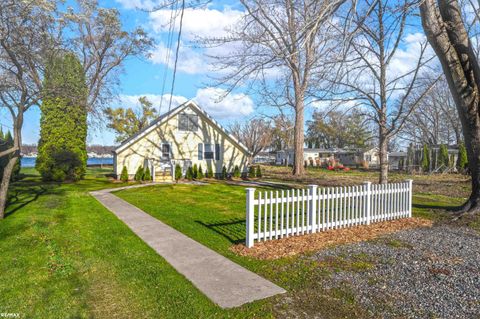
(63,255)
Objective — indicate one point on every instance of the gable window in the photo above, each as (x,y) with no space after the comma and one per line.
(187,122)
(166,151)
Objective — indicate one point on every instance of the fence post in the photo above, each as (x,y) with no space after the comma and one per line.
(410,192)
(250,216)
(368,191)
(313,207)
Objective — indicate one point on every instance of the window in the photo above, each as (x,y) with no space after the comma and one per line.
(187,122)
(208,151)
(200,151)
(166,151)
(208,154)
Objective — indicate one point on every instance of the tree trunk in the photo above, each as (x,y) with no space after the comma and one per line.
(298,168)
(7,174)
(383,154)
(447,35)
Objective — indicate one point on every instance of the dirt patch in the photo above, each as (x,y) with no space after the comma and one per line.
(291,246)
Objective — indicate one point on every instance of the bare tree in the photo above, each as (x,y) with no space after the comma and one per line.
(282,132)
(280,43)
(255,134)
(97,37)
(447,33)
(27,38)
(31,32)
(435,121)
(367,76)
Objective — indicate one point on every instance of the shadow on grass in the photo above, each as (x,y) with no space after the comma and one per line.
(28,190)
(446,208)
(232,229)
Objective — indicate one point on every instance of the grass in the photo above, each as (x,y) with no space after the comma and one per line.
(63,255)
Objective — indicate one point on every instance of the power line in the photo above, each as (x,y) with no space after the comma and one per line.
(168,51)
(176,55)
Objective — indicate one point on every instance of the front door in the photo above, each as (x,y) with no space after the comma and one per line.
(166,152)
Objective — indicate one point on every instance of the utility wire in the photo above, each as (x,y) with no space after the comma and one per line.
(176,56)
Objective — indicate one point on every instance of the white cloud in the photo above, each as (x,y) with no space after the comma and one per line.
(189,61)
(233,106)
(407,56)
(197,22)
(212,100)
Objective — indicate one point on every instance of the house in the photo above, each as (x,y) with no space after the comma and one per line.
(313,156)
(355,157)
(397,160)
(186,135)
(265,157)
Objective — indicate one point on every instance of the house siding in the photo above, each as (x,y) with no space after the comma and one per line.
(183,147)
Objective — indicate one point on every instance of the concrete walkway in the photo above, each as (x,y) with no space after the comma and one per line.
(226,283)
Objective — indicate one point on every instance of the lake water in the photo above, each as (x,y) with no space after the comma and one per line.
(30,161)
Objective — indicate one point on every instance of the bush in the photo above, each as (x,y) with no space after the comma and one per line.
(178,172)
(425,159)
(195,171)
(236,172)
(462,162)
(224,173)
(139,174)
(210,172)
(189,174)
(200,172)
(258,173)
(147,176)
(124,175)
(443,158)
(251,172)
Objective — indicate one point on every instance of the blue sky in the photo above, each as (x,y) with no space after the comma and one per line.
(145,76)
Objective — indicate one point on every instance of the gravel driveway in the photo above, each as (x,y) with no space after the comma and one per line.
(419,273)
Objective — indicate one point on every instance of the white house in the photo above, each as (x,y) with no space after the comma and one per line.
(186,135)
(313,156)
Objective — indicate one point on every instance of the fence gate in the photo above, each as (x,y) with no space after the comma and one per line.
(278,214)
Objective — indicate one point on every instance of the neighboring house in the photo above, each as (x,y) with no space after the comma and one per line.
(186,135)
(397,160)
(313,156)
(319,157)
(358,157)
(266,157)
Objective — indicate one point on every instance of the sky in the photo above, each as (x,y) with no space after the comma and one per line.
(145,76)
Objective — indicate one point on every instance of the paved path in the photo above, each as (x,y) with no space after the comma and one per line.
(223,281)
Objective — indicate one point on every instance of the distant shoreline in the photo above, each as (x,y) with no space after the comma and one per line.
(29,161)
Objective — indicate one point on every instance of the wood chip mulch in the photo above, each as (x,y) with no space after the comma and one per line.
(285,247)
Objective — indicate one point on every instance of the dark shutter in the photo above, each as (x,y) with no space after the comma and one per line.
(217,152)
(200,151)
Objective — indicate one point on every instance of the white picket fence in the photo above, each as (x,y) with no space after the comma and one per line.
(278,214)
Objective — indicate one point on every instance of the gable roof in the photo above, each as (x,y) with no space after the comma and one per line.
(164,117)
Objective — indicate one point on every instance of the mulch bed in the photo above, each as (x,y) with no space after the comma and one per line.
(285,247)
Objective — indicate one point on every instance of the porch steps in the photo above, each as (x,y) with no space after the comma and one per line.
(163,178)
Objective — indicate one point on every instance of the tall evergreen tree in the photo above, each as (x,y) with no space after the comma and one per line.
(62,149)
(462,162)
(6,141)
